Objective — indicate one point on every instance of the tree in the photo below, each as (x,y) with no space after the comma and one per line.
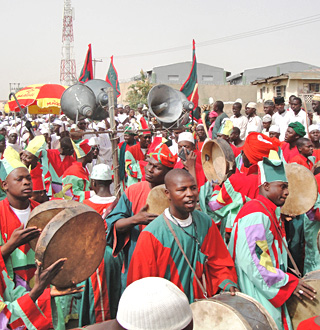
(138,92)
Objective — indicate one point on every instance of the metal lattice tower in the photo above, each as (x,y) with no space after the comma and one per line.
(68,74)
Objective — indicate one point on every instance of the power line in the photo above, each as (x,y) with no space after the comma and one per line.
(243,35)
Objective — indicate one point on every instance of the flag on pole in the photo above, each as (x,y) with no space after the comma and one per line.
(190,87)
(112,77)
(87,70)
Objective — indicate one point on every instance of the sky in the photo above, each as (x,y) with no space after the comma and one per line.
(31,35)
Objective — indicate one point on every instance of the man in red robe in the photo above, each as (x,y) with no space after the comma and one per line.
(304,158)
(289,148)
(130,215)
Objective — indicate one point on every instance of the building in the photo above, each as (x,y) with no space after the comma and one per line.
(178,73)
(249,75)
(302,84)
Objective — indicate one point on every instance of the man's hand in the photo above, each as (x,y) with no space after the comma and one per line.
(56,292)
(19,237)
(190,162)
(233,290)
(143,217)
(304,290)
(44,277)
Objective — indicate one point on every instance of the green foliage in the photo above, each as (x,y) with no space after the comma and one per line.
(138,92)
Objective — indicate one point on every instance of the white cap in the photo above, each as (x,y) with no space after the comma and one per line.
(186,136)
(101,172)
(120,106)
(274,128)
(93,141)
(252,105)
(239,100)
(57,122)
(45,130)
(211,101)
(153,303)
(102,125)
(313,128)
(12,131)
(266,119)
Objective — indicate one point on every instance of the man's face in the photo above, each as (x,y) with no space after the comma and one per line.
(18,184)
(268,109)
(129,138)
(314,135)
(176,134)
(155,172)
(280,107)
(307,149)
(233,136)
(95,150)
(27,159)
(250,111)
(2,145)
(185,144)
(145,140)
(89,156)
(3,131)
(215,107)
(266,125)
(277,192)
(183,195)
(295,106)
(120,110)
(201,132)
(67,150)
(82,125)
(291,135)
(274,134)
(224,137)
(56,128)
(236,110)
(315,106)
(12,138)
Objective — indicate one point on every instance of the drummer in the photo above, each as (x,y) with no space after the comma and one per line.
(158,252)
(257,246)
(304,158)
(130,215)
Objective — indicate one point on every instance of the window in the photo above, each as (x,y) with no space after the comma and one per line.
(207,78)
(173,77)
(314,88)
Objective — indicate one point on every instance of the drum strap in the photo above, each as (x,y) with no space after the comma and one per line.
(296,269)
(202,287)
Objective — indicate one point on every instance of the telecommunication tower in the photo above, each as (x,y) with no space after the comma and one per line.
(68,74)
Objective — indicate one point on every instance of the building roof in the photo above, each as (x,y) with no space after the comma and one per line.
(305,75)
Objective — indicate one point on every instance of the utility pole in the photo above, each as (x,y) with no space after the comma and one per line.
(94,66)
(68,74)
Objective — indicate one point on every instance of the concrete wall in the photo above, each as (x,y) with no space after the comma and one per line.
(225,93)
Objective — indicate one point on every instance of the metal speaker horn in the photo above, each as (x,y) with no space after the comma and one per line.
(99,88)
(167,104)
(78,102)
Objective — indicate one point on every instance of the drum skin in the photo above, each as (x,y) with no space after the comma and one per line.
(77,234)
(43,213)
(224,311)
(300,199)
(217,160)
(157,200)
(302,310)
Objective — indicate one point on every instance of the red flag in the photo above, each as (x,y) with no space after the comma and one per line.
(190,87)
(87,69)
(112,77)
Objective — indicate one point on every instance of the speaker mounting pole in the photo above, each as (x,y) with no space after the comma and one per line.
(114,143)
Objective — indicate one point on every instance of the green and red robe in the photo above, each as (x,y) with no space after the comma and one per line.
(53,169)
(76,180)
(122,148)
(17,309)
(157,254)
(261,259)
(21,261)
(135,164)
(130,203)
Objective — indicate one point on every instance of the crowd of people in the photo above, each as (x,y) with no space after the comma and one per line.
(212,238)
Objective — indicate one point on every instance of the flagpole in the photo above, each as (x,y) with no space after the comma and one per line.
(114,144)
(192,96)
